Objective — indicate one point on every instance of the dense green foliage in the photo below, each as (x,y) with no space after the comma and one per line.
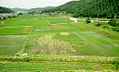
(115,62)
(88,20)
(5,10)
(89,8)
(113,22)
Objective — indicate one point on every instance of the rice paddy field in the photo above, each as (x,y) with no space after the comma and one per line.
(55,44)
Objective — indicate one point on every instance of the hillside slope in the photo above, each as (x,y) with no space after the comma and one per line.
(18,9)
(40,9)
(90,8)
(5,10)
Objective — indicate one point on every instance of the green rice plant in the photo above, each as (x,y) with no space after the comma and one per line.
(1,66)
(115,63)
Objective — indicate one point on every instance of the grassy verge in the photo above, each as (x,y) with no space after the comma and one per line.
(57,63)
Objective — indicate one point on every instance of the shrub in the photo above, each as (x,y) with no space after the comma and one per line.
(105,26)
(9,17)
(20,14)
(115,62)
(113,22)
(0,18)
(14,16)
(115,28)
(88,20)
(26,59)
(4,18)
(98,24)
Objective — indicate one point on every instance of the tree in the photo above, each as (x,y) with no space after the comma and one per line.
(88,20)
(113,22)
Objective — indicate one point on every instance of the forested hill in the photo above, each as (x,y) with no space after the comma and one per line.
(89,8)
(18,9)
(41,9)
(5,10)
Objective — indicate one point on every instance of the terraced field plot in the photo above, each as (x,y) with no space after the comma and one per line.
(15,30)
(64,36)
(11,44)
(33,67)
(25,22)
(58,20)
(54,28)
(56,63)
(45,43)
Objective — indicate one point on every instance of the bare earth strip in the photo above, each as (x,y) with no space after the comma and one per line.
(16,27)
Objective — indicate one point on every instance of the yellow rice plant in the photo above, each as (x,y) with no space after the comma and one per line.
(33,51)
(52,44)
(63,52)
(42,51)
(54,52)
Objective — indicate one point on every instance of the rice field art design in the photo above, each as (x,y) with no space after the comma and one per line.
(47,44)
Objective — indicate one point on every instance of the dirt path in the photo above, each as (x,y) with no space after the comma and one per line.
(48,22)
(59,24)
(55,23)
(74,19)
(16,27)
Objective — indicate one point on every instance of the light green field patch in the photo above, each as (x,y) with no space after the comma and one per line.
(64,33)
(58,20)
(54,28)
(15,30)
(11,44)
(44,66)
(26,20)
(98,42)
